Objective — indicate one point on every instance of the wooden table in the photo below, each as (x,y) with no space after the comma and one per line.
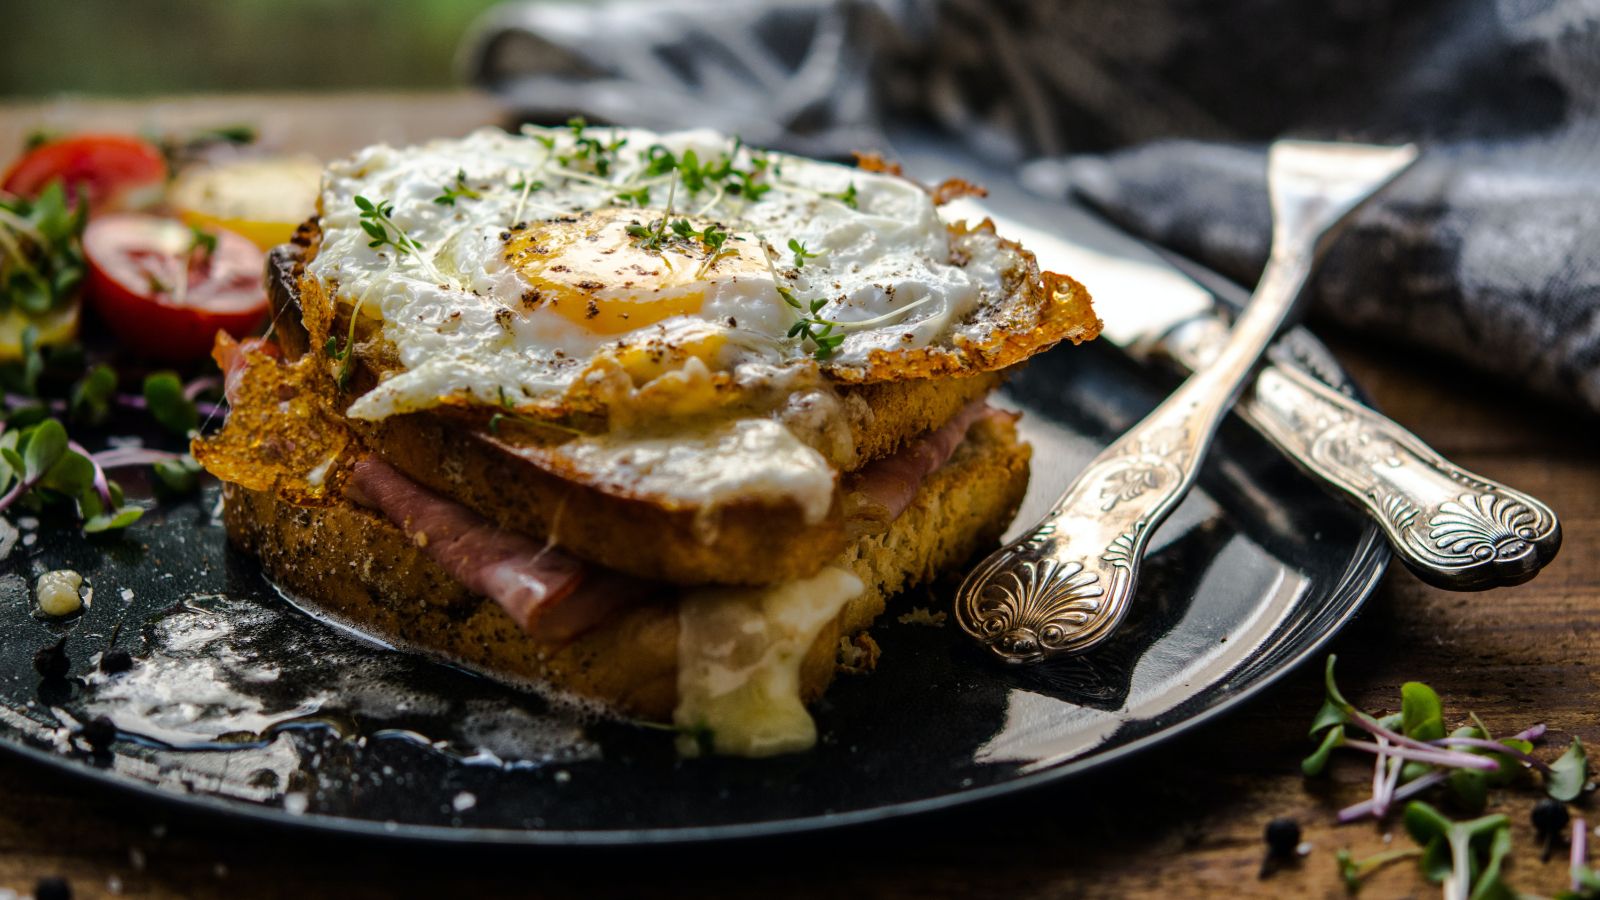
(1182,821)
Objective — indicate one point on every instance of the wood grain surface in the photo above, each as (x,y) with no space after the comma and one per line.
(1181,821)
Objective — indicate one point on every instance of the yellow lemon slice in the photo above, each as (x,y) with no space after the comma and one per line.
(263,199)
(57,326)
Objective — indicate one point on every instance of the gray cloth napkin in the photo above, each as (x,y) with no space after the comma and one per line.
(1156,112)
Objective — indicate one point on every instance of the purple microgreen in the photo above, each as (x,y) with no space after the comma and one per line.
(1502,747)
(101,484)
(1583,879)
(1403,792)
(1433,756)
(1532,733)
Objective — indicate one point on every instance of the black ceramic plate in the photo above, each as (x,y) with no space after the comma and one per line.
(243,705)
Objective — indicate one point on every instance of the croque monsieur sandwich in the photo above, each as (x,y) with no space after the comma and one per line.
(660,421)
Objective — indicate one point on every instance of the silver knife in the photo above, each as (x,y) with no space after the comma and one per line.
(1453,528)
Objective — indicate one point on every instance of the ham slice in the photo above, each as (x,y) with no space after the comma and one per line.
(548,593)
(882,489)
(554,596)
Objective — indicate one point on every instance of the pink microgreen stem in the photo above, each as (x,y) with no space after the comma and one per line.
(1580,851)
(123,457)
(101,485)
(1531,733)
(1431,755)
(202,384)
(1403,792)
(1495,746)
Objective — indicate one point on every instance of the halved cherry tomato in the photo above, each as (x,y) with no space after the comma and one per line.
(164,294)
(107,168)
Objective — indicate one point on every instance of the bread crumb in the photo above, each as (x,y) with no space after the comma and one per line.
(919,615)
(859,654)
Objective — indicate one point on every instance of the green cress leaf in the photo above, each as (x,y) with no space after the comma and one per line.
(122,518)
(1488,885)
(1568,774)
(1349,872)
(1453,847)
(1421,714)
(1318,760)
(1469,790)
(70,475)
(180,476)
(1327,717)
(92,395)
(43,445)
(1332,689)
(163,394)
(14,466)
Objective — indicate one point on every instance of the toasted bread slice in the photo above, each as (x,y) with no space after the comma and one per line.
(506,478)
(351,564)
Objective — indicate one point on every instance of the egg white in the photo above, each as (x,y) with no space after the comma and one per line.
(883,267)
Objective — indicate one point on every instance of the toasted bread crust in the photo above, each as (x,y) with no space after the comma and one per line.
(742,543)
(353,565)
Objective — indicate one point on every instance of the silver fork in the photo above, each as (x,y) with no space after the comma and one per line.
(1066,584)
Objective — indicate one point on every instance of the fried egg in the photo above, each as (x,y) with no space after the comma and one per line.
(662,279)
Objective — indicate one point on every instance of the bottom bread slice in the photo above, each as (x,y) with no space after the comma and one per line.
(352,565)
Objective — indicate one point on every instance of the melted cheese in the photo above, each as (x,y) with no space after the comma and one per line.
(754,459)
(739,656)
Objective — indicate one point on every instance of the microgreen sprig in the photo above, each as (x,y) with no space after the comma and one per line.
(812,327)
(376,223)
(847,196)
(588,152)
(1413,753)
(41,262)
(39,464)
(453,192)
(801,254)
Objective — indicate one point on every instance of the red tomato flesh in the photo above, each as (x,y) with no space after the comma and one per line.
(108,169)
(164,296)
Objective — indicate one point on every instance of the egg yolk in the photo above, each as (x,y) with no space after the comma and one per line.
(592,270)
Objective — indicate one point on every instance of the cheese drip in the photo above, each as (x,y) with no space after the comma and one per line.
(739,656)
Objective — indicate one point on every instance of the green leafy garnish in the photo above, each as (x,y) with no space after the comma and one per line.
(165,398)
(637,197)
(453,192)
(376,223)
(1353,871)
(1568,775)
(847,197)
(801,254)
(812,327)
(40,465)
(41,261)
(588,152)
(92,395)
(1465,857)
(180,475)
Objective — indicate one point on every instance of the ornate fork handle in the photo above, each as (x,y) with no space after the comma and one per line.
(1453,528)
(1066,584)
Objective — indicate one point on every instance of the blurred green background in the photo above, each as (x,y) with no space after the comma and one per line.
(133,47)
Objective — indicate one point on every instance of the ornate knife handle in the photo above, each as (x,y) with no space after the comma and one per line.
(1453,528)
(1066,584)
